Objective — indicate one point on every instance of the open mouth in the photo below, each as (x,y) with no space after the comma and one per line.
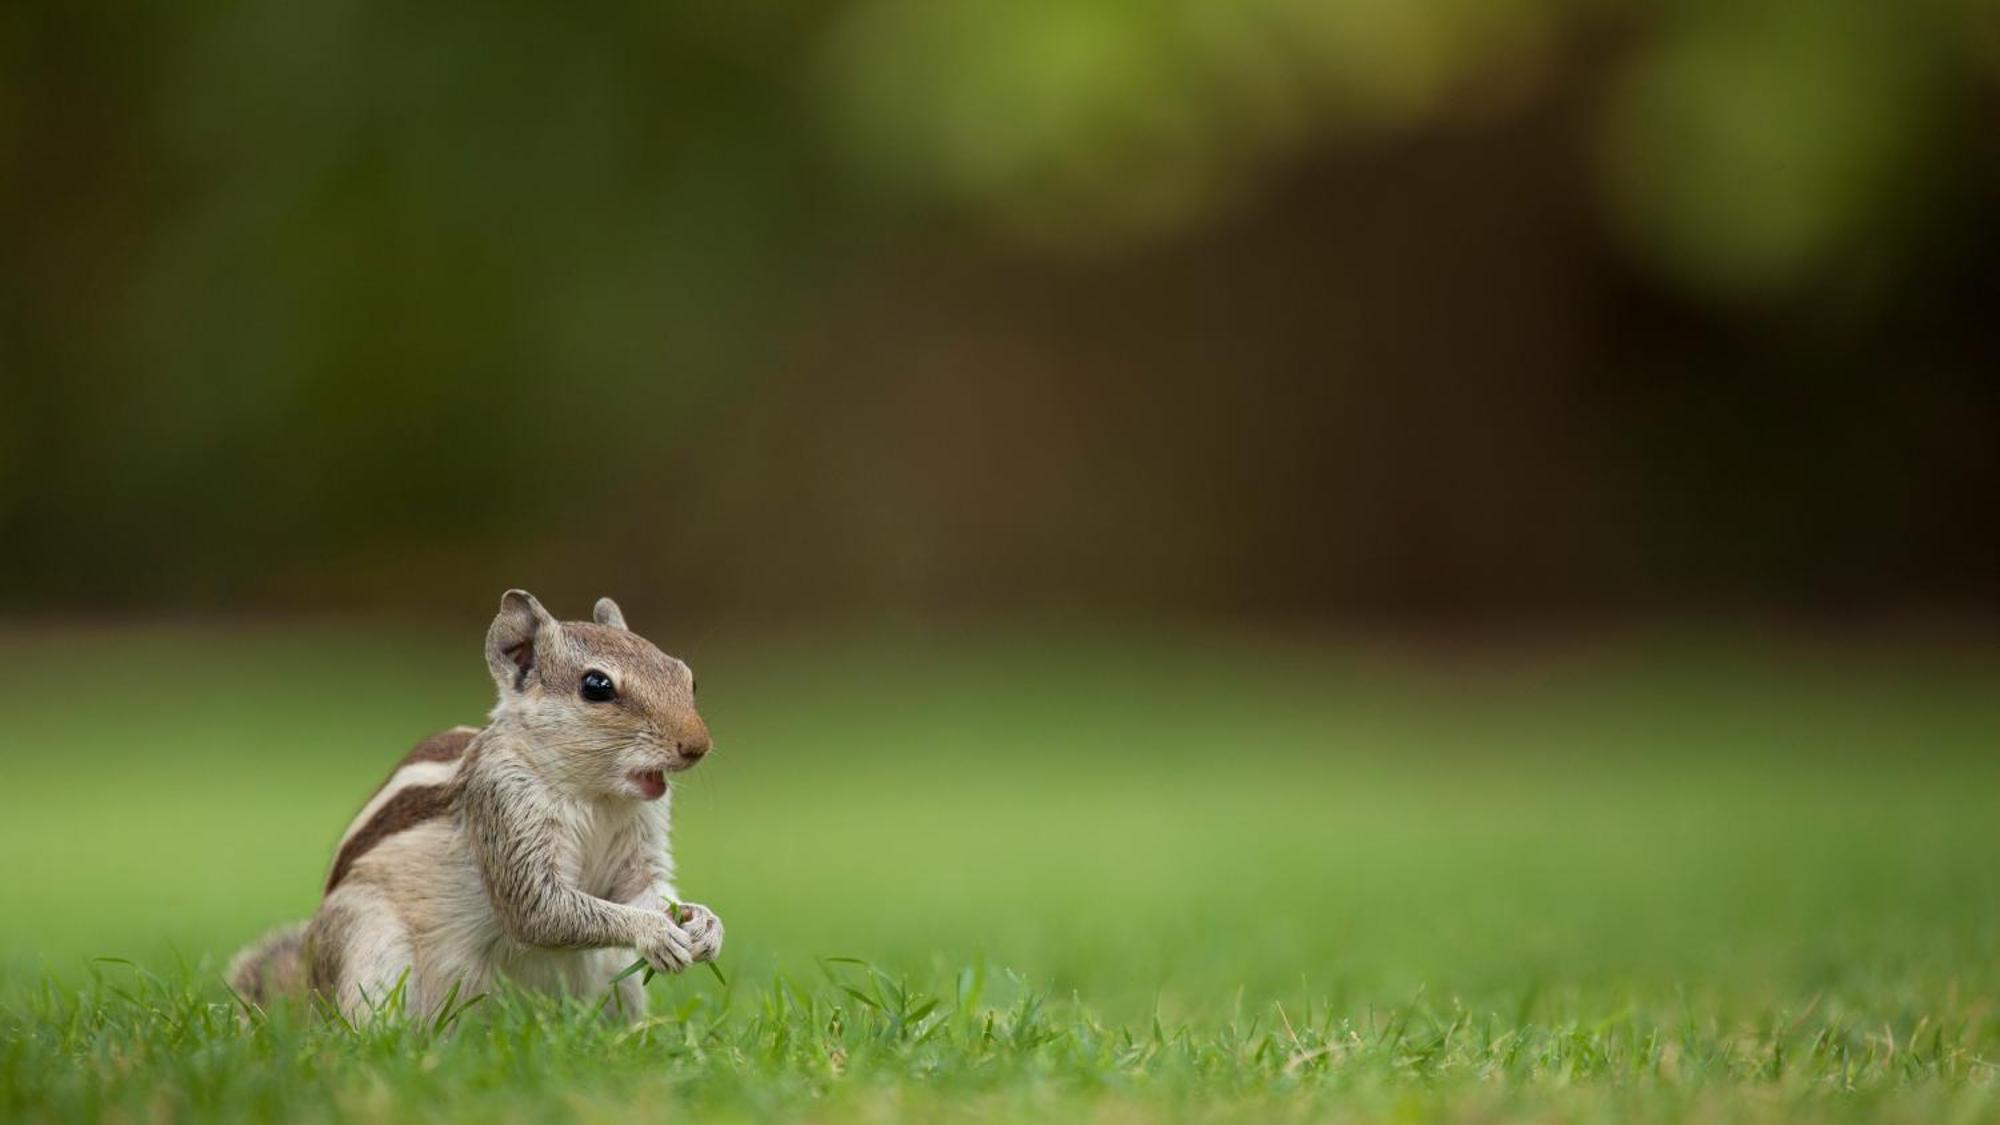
(652,784)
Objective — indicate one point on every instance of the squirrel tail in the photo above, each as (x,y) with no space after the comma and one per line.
(272,967)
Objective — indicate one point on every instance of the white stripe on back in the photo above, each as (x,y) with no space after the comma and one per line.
(416,773)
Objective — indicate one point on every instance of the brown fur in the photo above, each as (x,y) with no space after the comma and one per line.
(327,937)
(272,967)
(405,810)
(534,848)
(445,746)
(651,685)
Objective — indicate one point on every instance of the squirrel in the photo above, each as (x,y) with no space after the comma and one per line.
(533,849)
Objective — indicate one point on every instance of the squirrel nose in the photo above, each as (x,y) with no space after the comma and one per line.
(694,748)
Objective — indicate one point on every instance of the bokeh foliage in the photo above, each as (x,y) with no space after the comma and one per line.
(345,301)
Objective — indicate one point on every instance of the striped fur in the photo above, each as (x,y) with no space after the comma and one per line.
(424,785)
(534,848)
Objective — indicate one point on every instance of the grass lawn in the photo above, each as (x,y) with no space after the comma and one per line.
(1090,876)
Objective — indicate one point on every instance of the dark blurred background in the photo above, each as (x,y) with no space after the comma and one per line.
(1381,309)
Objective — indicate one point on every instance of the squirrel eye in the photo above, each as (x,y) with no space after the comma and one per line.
(597,687)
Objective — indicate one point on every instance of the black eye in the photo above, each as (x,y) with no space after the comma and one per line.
(597,687)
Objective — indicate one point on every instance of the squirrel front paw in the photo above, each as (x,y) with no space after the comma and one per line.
(704,930)
(667,947)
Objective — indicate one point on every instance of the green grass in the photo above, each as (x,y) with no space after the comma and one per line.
(1112,878)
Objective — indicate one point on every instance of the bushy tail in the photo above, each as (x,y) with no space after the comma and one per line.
(272,967)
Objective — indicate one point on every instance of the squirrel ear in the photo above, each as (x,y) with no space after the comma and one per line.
(606,612)
(510,641)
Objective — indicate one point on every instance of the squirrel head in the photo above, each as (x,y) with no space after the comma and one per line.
(599,708)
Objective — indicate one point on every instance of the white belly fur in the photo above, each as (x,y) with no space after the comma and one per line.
(429,878)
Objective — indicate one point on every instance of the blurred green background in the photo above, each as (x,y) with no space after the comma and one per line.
(1693,826)
(1180,498)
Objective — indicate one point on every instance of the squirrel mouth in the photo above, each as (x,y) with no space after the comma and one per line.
(652,784)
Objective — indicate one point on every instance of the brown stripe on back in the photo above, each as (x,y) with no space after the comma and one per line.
(445,746)
(407,809)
